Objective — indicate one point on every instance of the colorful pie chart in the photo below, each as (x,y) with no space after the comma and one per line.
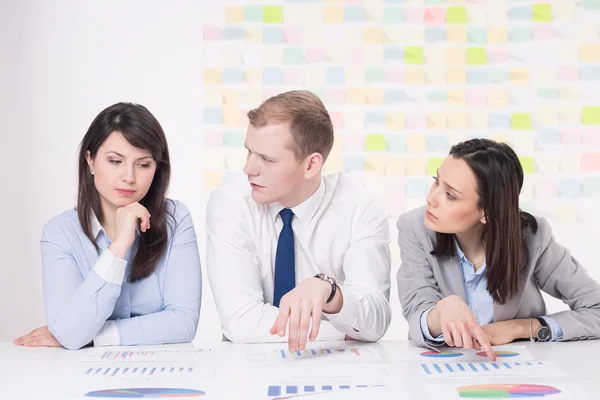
(500,353)
(505,391)
(144,393)
(441,354)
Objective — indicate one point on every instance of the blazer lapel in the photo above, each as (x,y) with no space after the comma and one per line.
(508,310)
(453,278)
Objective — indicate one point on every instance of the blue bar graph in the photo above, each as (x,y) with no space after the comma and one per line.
(468,368)
(276,392)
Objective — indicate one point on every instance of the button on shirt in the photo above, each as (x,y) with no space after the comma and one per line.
(478,299)
(341,231)
(87,297)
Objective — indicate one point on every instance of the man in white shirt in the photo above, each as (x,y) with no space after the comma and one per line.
(288,247)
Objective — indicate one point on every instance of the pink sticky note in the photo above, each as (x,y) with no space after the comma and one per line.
(354,56)
(543,32)
(590,162)
(416,121)
(213,139)
(476,98)
(414,15)
(292,76)
(394,75)
(315,55)
(570,136)
(337,119)
(354,143)
(292,35)
(211,33)
(244,117)
(545,189)
(590,138)
(435,15)
(335,96)
(568,74)
(497,56)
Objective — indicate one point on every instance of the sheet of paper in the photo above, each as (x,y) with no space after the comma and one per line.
(526,389)
(329,391)
(136,355)
(139,372)
(305,372)
(498,368)
(350,354)
(447,354)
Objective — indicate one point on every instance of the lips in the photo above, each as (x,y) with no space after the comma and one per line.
(126,192)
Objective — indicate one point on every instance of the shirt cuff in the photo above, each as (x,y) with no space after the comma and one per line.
(425,329)
(110,267)
(347,315)
(555,328)
(108,335)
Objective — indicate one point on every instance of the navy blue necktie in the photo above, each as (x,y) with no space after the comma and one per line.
(285,278)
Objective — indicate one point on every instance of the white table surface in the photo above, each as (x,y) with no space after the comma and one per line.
(48,373)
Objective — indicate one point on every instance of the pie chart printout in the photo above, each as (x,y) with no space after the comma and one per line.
(505,391)
(146,393)
(500,353)
(441,354)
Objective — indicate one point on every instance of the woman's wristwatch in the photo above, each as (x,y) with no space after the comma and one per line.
(333,283)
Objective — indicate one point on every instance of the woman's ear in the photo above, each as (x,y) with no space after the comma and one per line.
(483,220)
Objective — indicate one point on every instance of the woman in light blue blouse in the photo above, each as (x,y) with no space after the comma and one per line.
(123,267)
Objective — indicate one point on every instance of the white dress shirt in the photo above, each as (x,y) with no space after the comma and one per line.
(341,231)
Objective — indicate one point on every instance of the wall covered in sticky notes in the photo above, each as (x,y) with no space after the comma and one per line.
(405,80)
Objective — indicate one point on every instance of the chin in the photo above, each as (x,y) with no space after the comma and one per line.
(261,198)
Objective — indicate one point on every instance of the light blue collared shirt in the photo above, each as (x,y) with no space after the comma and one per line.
(479,299)
(87,296)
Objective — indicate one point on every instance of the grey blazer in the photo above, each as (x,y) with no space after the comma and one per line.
(424,279)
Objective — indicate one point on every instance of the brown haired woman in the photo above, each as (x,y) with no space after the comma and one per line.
(123,267)
(473,263)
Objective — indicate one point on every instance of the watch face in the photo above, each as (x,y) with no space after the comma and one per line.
(543,333)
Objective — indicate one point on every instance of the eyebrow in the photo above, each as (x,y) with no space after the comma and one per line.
(447,185)
(260,154)
(121,155)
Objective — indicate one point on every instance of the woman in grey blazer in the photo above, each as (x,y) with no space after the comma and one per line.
(473,263)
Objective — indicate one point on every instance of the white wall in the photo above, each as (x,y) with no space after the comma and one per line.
(64,61)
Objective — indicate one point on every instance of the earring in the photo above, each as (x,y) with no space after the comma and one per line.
(91,171)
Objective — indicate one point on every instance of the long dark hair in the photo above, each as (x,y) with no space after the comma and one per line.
(142,130)
(499,176)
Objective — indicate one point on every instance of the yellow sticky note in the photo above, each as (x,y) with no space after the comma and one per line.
(478,120)
(253,76)
(212,95)
(455,138)
(414,55)
(457,121)
(497,16)
(374,96)
(524,143)
(251,97)
(565,214)
(564,11)
(589,32)
(375,142)
(569,115)
(333,14)
(355,96)
(476,56)
(590,115)
(273,14)
(569,93)
(547,115)
(375,164)
(520,121)
(435,55)
(373,36)
(433,163)
(455,55)
(414,35)
(372,53)
(542,13)
(314,35)
(435,77)
(527,164)
(497,35)
(545,76)
(414,75)
(338,143)
(501,138)
(519,76)
(457,98)
(231,56)
(213,179)
(456,34)
(213,76)
(570,163)
(456,75)
(335,55)
(313,76)
(456,15)
(416,166)
(294,16)
(231,116)
(235,159)
(547,163)
(234,14)
(416,143)
(253,35)
(394,121)
(231,97)
(394,166)
(334,163)
(589,53)
(569,52)
(437,121)
(355,76)
(272,55)
(395,34)
(373,12)
(354,120)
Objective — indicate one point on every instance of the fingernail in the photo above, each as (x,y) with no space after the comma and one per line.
(281,333)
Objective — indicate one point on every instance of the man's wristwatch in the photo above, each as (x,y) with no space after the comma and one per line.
(333,283)
(543,334)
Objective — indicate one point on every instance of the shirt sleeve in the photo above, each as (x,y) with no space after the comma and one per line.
(366,312)
(425,329)
(235,277)
(557,332)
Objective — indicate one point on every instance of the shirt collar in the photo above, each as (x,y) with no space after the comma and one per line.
(306,210)
(467,265)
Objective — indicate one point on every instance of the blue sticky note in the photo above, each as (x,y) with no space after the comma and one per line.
(415,187)
(520,13)
(499,120)
(550,136)
(437,143)
(335,76)
(272,76)
(435,34)
(234,76)
(477,35)
(212,115)
(233,33)
(520,34)
(497,75)
(589,72)
(373,117)
(394,96)
(477,76)
(272,35)
(393,53)
(395,143)
(569,188)
(354,13)
(354,163)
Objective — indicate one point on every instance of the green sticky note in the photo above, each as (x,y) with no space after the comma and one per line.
(414,55)
(590,115)
(253,13)
(456,15)
(437,96)
(374,75)
(393,15)
(542,13)
(375,142)
(476,56)
(233,139)
(477,35)
(273,15)
(396,143)
(527,164)
(591,185)
(433,163)
(548,93)
(591,5)
(520,121)
(293,56)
